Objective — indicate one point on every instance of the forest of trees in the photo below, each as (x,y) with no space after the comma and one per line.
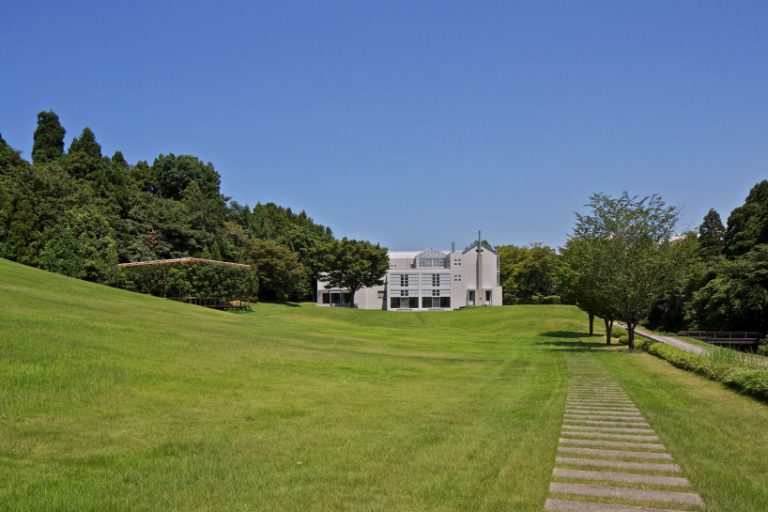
(80,213)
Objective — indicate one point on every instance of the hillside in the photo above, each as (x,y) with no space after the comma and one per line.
(114,400)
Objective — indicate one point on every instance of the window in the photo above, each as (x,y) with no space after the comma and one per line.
(403,293)
(445,302)
(404,303)
(404,280)
(326,298)
(426,302)
(435,279)
(435,293)
(430,262)
(380,294)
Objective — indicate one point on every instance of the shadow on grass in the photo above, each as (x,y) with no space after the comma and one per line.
(565,334)
(574,345)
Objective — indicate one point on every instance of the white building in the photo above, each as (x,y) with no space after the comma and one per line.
(428,280)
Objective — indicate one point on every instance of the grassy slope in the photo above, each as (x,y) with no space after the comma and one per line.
(114,400)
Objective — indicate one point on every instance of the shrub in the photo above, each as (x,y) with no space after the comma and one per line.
(733,370)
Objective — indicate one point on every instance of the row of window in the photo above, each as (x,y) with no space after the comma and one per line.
(427,279)
(413,302)
(336,298)
(415,293)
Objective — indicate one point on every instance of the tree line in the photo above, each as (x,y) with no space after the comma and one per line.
(79,212)
(625,261)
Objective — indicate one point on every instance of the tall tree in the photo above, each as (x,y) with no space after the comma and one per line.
(748,224)
(587,271)
(353,264)
(281,275)
(633,231)
(86,144)
(9,157)
(48,139)
(711,235)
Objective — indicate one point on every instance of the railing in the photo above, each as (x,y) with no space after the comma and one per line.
(725,337)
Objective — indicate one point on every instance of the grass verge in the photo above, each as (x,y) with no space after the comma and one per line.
(738,371)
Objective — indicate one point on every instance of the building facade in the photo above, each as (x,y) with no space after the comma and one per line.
(428,280)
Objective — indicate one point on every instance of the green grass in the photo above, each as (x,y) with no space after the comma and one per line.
(116,401)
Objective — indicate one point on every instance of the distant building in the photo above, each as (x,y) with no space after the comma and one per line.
(428,280)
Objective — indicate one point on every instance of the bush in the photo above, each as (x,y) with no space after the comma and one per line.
(729,369)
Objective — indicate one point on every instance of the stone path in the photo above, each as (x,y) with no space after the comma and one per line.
(609,458)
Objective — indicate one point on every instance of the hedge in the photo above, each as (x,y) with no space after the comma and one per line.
(729,369)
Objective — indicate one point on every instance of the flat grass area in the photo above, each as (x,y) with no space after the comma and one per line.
(116,401)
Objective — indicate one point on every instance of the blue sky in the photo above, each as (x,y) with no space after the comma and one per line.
(411,123)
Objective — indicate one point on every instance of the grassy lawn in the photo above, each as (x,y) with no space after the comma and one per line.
(112,400)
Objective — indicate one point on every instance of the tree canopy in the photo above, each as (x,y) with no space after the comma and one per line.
(80,213)
(353,264)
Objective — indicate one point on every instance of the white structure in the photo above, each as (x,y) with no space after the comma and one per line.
(428,280)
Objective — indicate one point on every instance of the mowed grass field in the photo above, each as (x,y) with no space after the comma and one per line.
(116,401)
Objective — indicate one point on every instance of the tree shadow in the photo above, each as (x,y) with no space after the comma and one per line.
(565,334)
(575,343)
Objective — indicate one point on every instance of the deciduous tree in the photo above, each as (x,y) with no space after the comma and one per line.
(353,264)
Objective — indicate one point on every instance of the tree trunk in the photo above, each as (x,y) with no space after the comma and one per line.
(608,329)
(591,323)
(631,336)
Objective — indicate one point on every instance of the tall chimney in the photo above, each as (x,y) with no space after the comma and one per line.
(479,293)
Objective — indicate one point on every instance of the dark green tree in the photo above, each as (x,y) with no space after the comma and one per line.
(737,299)
(632,231)
(280,274)
(173,174)
(48,139)
(353,264)
(9,158)
(748,224)
(86,144)
(711,236)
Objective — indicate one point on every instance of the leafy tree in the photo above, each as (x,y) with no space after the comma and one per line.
(528,272)
(587,271)
(173,174)
(353,264)
(748,224)
(82,246)
(711,235)
(48,139)
(687,273)
(281,275)
(633,232)
(9,158)
(737,299)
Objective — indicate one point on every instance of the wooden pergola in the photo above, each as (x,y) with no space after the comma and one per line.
(180,260)
(215,303)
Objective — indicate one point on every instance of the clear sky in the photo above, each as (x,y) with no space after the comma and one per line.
(411,123)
